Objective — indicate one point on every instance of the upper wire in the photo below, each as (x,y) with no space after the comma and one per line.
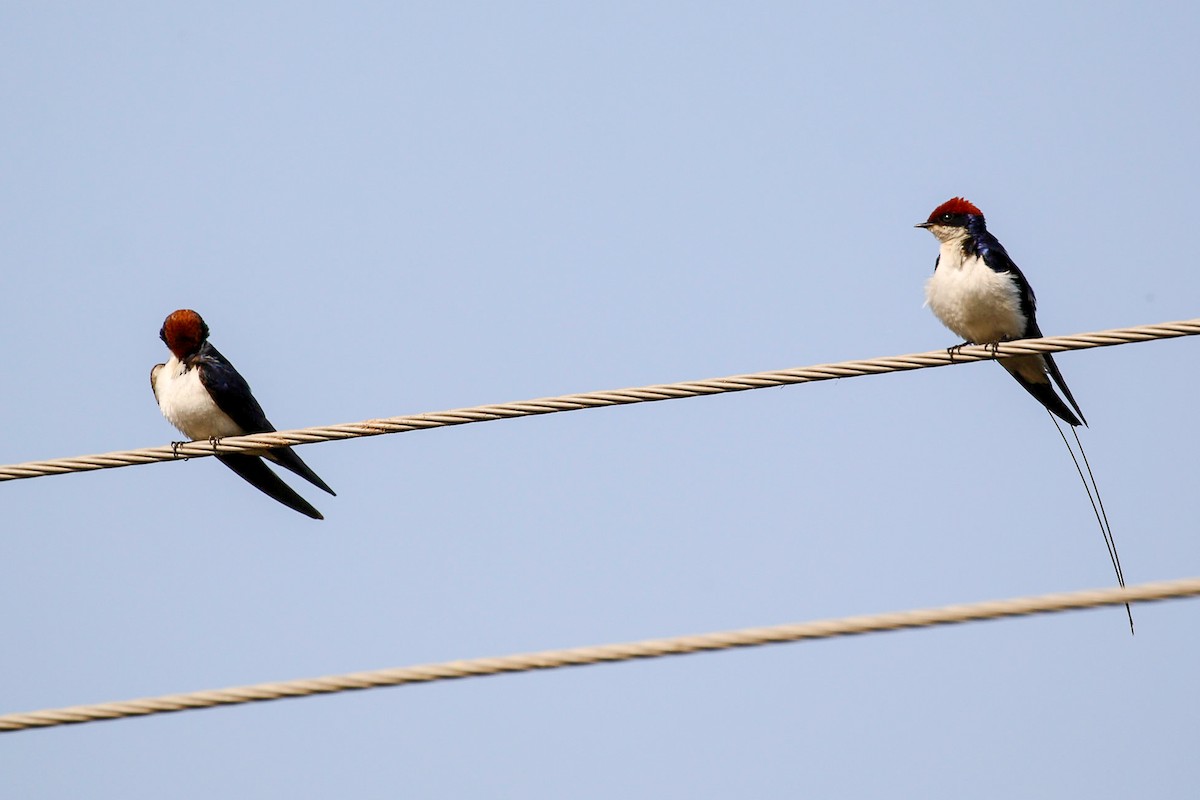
(260,442)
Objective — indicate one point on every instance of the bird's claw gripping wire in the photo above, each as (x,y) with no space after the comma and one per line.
(956,349)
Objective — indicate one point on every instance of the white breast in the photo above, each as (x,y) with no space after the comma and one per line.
(976,302)
(187,404)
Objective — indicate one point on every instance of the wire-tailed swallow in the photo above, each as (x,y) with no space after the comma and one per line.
(202,395)
(980,294)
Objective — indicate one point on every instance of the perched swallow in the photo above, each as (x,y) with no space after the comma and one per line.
(980,294)
(201,394)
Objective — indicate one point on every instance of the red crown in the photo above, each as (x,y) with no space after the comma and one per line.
(183,332)
(955,205)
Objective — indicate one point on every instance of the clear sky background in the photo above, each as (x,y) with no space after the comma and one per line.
(386,208)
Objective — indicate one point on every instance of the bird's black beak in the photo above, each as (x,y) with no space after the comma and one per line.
(926,225)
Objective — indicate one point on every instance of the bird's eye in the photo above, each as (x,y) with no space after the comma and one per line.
(946,217)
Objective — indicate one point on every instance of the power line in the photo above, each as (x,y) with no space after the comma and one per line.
(574,402)
(602,654)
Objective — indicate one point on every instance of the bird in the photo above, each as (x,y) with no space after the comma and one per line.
(978,292)
(201,393)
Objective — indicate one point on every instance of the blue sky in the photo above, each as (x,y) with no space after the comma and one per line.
(396,208)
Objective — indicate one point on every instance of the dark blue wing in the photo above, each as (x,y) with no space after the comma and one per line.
(256,472)
(1039,386)
(997,259)
(229,390)
(233,396)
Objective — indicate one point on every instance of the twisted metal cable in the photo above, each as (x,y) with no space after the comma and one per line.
(600,654)
(573,402)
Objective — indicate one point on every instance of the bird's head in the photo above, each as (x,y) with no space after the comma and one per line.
(949,221)
(183,332)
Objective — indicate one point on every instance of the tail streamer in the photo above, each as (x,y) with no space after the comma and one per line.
(1093,493)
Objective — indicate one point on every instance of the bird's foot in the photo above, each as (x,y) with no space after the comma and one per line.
(956,349)
(214,441)
(175,449)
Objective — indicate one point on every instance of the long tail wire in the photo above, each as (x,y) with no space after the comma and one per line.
(1093,493)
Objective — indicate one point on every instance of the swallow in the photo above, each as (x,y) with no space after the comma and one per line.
(978,292)
(201,394)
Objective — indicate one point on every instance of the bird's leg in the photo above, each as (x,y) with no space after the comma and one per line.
(956,349)
(175,449)
(214,440)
